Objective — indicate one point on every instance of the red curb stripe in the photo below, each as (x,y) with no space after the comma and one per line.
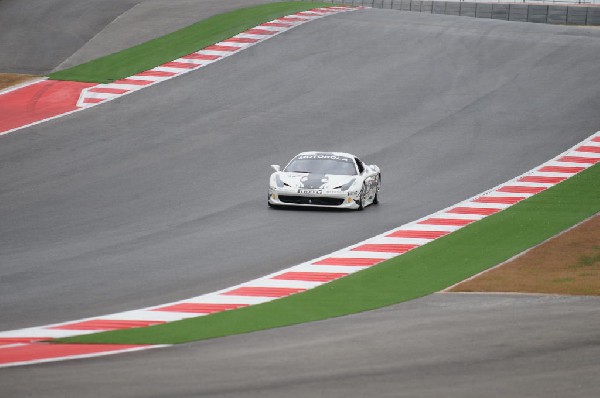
(41,351)
(542,179)
(241,40)
(446,221)
(304,14)
(181,65)
(474,210)
(508,200)
(591,149)
(39,101)
(561,169)
(520,189)
(310,276)
(93,100)
(417,234)
(385,248)
(277,24)
(264,291)
(216,47)
(322,11)
(579,159)
(200,308)
(106,324)
(261,32)
(289,19)
(156,73)
(349,261)
(596,139)
(133,82)
(204,57)
(108,90)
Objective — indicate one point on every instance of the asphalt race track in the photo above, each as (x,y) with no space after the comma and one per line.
(161,195)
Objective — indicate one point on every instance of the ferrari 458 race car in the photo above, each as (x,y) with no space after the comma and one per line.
(325,179)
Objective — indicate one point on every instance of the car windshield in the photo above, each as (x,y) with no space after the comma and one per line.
(321,164)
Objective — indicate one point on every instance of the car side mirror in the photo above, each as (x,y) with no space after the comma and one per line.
(276,167)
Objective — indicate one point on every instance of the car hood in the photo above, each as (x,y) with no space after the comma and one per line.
(315,181)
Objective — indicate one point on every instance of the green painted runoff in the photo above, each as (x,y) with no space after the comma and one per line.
(167,48)
(422,271)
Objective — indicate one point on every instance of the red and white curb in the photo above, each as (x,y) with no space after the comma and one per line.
(196,60)
(16,345)
(46,100)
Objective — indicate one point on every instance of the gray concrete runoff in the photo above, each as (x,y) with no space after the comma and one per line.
(161,195)
(444,345)
(42,36)
(508,11)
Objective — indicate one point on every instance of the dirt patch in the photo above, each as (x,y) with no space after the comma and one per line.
(10,79)
(566,264)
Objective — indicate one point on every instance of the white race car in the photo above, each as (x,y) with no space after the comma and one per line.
(325,179)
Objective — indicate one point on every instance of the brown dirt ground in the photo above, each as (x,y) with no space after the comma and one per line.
(10,79)
(566,264)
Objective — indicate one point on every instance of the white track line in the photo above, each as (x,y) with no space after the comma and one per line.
(21,85)
(68,357)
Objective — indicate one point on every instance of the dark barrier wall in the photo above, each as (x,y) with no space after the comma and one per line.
(539,13)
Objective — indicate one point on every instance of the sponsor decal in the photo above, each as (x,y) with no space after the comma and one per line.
(311,191)
(324,156)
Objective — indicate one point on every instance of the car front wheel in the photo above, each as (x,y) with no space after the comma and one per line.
(361,199)
(376,198)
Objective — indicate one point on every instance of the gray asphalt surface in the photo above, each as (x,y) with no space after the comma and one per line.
(40,36)
(447,345)
(161,195)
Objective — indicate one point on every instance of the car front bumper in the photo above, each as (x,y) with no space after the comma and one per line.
(314,198)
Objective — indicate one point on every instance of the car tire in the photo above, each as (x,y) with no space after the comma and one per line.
(376,198)
(361,199)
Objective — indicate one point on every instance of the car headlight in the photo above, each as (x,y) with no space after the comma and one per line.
(279,183)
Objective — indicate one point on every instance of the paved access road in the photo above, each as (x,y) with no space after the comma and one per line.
(161,195)
(449,345)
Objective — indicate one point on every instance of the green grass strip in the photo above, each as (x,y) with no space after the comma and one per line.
(179,43)
(420,272)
